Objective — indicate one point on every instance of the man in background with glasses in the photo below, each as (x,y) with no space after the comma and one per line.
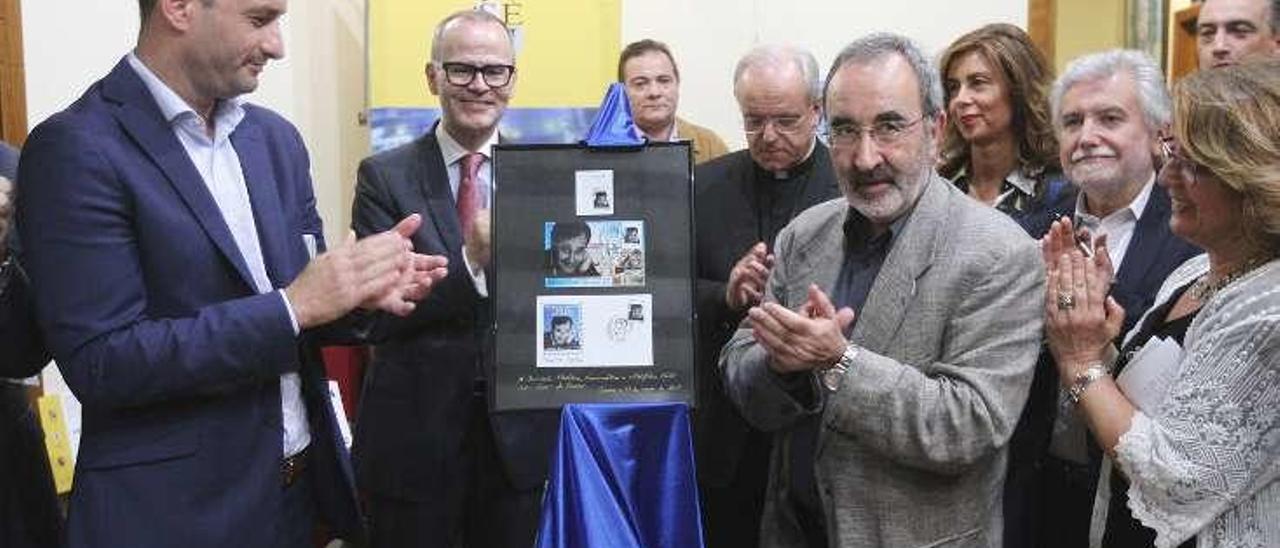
(1109,110)
(436,468)
(894,346)
(743,200)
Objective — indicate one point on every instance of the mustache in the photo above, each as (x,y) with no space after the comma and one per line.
(1095,152)
(880,173)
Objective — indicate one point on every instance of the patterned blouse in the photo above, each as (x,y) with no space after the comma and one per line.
(1034,201)
(1206,463)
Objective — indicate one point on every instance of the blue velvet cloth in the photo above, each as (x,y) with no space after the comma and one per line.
(622,476)
(614,126)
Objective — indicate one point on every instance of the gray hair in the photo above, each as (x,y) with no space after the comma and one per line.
(1153,96)
(771,55)
(471,16)
(1275,16)
(878,45)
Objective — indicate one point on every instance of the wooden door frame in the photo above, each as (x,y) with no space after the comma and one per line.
(1042,17)
(13,87)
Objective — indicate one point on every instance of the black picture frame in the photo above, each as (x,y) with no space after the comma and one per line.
(536,187)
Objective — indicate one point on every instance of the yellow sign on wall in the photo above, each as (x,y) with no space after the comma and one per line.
(566,50)
(57,442)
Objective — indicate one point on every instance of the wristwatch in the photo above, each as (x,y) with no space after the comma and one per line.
(831,376)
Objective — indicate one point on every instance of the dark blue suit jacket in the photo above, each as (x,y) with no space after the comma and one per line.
(155,322)
(1154,252)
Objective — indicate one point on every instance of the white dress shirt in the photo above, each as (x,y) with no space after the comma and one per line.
(219,166)
(1119,225)
(452,152)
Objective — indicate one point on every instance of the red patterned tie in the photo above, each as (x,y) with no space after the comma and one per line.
(469,190)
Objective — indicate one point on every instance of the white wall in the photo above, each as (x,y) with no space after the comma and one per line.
(65,49)
(708,36)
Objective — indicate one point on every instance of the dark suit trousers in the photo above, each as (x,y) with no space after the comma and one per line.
(494,514)
(731,513)
(297,525)
(29,515)
(1067,505)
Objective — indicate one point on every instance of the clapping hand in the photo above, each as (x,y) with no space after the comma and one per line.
(378,272)
(809,338)
(1081,319)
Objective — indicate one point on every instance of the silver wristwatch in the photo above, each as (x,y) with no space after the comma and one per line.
(831,376)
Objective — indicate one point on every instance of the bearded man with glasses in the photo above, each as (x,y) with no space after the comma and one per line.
(437,468)
(894,346)
(743,200)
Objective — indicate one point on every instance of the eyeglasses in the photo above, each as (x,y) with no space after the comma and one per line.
(789,124)
(462,74)
(1185,168)
(882,133)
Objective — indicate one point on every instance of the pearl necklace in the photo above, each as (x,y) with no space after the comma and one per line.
(1203,289)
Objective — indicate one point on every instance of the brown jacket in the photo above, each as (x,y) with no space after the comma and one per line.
(706,144)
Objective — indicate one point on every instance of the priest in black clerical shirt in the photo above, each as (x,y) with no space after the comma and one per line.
(743,200)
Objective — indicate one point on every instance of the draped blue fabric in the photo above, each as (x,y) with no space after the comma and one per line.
(613,126)
(622,477)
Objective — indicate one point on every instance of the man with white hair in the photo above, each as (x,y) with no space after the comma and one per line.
(743,200)
(1109,110)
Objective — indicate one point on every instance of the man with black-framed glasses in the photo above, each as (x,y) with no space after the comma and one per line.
(743,201)
(436,468)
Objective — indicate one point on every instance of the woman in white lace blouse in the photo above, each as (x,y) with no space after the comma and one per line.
(1192,426)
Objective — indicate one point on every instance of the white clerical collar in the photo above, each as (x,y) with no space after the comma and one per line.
(787,173)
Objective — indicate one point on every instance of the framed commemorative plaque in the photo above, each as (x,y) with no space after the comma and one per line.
(593,275)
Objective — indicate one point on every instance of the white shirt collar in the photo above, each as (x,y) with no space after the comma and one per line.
(1134,209)
(227,113)
(674,135)
(786,173)
(451,151)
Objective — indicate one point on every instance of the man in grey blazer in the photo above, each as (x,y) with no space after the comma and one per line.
(893,399)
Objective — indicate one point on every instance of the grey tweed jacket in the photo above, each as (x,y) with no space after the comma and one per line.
(912,448)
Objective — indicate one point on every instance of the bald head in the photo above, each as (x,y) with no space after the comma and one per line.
(472,72)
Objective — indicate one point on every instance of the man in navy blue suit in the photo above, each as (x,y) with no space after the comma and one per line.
(181,281)
(1109,110)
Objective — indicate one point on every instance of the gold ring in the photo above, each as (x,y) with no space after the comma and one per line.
(1066,300)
